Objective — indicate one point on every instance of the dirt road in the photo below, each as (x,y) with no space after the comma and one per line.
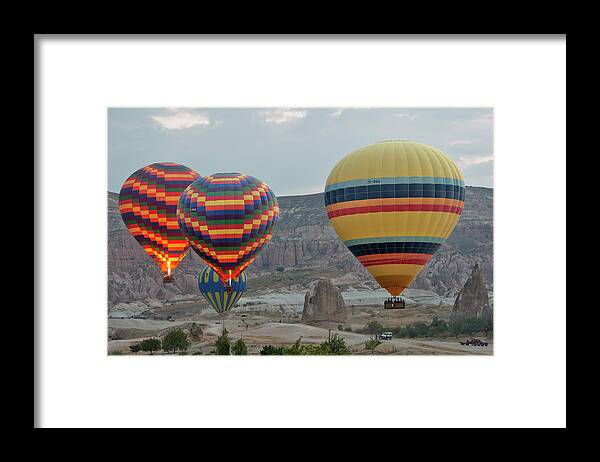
(282,333)
(277,333)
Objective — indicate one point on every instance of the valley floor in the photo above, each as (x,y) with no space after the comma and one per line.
(263,328)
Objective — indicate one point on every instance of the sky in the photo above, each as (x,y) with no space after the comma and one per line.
(291,149)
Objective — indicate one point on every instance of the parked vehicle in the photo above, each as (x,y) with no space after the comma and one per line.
(385,336)
(475,342)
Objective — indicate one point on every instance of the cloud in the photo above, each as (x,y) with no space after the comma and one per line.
(179,119)
(461,142)
(406,115)
(485,119)
(466,162)
(283,116)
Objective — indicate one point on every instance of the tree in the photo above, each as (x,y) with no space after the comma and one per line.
(135,348)
(472,325)
(374,327)
(239,348)
(421,329)
(223,345)
(176,340)
(456,328)
(372,343)
(410,331)
(401,332)
(150,345)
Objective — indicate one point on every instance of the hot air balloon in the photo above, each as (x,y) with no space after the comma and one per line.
(148,206)
(227,219)
(215,293)
(393,204)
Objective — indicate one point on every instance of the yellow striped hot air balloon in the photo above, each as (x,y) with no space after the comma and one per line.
(393,203)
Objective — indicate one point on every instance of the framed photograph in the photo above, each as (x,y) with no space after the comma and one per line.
(316,232)
(253,232)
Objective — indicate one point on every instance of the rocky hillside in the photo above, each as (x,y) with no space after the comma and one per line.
(304,244)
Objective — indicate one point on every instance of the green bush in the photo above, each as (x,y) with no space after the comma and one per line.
(348,329)
(272,350)
(421,329)
(135,348)
(440,328)
(151,345)
(280,269)
(239,348)
(334,345)
(372,343)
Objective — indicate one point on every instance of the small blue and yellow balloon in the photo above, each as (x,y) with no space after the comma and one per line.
(218,295)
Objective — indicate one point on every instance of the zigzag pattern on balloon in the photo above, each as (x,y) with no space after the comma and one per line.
(227,218)
(148,206)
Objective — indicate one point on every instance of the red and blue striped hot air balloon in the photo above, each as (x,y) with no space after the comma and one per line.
(148,206)
(393,204)
(227,219)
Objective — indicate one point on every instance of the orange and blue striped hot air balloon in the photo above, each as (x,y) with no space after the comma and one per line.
(393,204)
(148,206)
(228,218)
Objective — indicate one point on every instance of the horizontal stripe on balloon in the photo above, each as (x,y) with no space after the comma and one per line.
(395,180)
(394,191)
(375,207)
(378,240)
(397,201)
(361,226)
(395,261)
(394,248)
(405,272)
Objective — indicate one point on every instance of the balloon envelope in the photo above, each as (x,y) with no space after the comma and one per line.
(227,218)
(393,204)
(148,206)
(216,293)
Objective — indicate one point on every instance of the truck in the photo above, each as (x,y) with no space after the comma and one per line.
(385,336)
(474,342)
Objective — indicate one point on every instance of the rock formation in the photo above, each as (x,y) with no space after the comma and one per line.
(303,240)
(472,301)
(324,302)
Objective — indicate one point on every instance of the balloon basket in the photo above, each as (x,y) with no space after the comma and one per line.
(168,279)
(394,304)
